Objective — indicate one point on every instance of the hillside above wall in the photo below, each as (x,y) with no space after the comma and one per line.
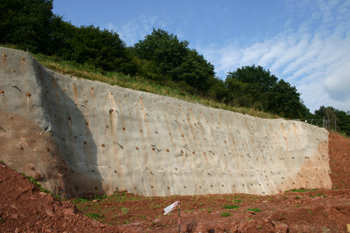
(79,136)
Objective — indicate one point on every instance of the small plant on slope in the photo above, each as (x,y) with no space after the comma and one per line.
(80,200)
(36,183)
(125,210)
(225,214)
(231,207)
(254,209)
(94,215)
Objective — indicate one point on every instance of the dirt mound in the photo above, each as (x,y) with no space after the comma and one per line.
(23,208)
(339,153)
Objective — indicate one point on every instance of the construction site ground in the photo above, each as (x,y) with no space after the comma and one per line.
(24,208)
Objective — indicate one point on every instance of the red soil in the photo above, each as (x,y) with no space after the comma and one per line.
(23,208)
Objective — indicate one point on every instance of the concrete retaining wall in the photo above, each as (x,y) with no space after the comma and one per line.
(116,138)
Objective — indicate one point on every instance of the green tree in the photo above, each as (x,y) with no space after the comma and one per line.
(164,49)
(26,23)
(194,70)
(60,31)
(327,112)
(343,121)
(218,91)
(263,79)
(146,69)
(249,86)
(285,101)
(334,118)
(88,44)
(177,63)
(240,92)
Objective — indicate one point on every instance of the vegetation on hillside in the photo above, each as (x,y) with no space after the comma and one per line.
(331,118)
(137,83)
(160,63)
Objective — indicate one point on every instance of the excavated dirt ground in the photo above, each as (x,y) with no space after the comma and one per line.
(23,208)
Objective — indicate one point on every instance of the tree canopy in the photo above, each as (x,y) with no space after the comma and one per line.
(89,44)
(283,99)
(26,23)
(164,49)
(336,119)
(249,85)
(253,86)
(175,60)
(257,75)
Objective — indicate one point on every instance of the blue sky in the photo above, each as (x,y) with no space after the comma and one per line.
(304,42)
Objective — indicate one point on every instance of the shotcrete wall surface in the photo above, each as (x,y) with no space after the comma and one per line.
(117,138)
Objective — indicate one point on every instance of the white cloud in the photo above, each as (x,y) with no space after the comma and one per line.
(135,30)
(315,58)
(337,82)
(294,49)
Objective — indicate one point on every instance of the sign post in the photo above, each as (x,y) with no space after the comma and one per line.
(172,207)
(179,218)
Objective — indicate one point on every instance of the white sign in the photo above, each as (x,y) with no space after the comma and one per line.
(171,207)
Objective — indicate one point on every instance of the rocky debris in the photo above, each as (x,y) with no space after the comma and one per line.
(191,227)
(281,227)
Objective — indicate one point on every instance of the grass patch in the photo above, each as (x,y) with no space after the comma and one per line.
(119,196)
(125,210)
(300,190)
(254,209)
(1,220)
(94,215)
(225,214)
(297,197)
(238,201)
(230,207)
(98,197)
(321,195)
(37,184)
(137,83)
